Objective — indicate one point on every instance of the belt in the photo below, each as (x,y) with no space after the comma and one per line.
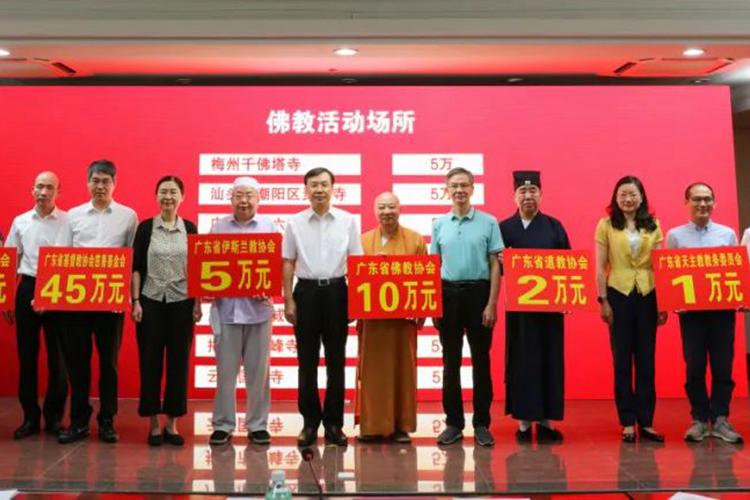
(322,281)
(464,284)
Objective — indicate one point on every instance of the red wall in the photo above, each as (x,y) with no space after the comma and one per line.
(581,138)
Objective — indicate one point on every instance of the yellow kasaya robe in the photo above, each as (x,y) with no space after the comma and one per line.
(387,368)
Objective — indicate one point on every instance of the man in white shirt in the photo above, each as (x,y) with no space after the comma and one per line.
(43,225)
(102,222)
(317,242)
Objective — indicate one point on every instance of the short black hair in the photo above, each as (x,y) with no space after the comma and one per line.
(691,186)
(170,178)
(457,171)
(317,171)
(102,167)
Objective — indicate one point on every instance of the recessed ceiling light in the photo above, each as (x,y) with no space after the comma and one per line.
(693,52)
(4,53)
(345,52)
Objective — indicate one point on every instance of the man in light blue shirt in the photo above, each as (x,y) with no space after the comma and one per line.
(242,332)
(468,241)
(706,334)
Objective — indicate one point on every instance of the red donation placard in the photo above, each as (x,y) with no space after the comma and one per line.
(700,279)
(83,279)
(8,266)
(394,286)
(234,265)
(545,280)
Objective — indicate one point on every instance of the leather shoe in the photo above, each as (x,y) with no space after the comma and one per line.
(52,428)
(307,436)
(27,428)
(334,435)
(155,439)
(628,437)
(523,436)
(546,434)
(173,439)
(656,437)
(369,438)
(73,434)
(107,432)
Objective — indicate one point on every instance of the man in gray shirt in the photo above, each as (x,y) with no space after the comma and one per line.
(706,334)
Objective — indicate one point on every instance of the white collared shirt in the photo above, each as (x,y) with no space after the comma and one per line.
(321,244)
(30,231)
(112,227)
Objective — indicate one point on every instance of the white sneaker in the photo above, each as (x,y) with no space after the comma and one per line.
(723,430)
(697,432)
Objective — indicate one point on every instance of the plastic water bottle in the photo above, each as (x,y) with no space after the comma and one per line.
(277,489)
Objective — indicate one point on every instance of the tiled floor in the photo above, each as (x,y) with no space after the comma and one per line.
(592,458)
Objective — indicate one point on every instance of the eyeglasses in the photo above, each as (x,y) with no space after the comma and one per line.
(462,185)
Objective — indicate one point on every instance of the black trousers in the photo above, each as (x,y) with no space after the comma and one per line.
(463,304)
(166,329)
(708,335)
(534,365)
(106,328)
(633,342)
(28,325)
(321,316)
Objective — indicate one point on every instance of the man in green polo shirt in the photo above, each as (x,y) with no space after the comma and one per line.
(468,241)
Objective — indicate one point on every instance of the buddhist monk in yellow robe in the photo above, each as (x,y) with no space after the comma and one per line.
(386,404)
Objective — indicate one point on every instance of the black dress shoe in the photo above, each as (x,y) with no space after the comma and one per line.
(523,436)
(628,437)
(545,434)
(155,439)
(52,428)
(173,439)
(656,437)
(73,434)
(107,432)
(334,435)
(27,428)
(307,436)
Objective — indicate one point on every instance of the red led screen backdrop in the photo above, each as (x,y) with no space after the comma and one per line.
(400,139)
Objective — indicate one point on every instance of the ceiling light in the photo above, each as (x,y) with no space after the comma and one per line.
(346,52)
(514,79)
(693,52)
(4,53)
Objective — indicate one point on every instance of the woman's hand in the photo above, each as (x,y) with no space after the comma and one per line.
(197,311)
(605,311)
(661,319)
(137,312)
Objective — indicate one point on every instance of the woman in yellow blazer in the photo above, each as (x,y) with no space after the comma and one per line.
(625,281)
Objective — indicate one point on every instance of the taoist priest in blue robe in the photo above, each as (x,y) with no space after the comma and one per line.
(534,354)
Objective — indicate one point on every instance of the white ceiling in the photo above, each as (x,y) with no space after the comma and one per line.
(291,41)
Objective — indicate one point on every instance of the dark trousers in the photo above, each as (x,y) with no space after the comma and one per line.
(463,304)
(166,328)
(106,328)
(633,342)
(28,325)
(708,335)
(321,316)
